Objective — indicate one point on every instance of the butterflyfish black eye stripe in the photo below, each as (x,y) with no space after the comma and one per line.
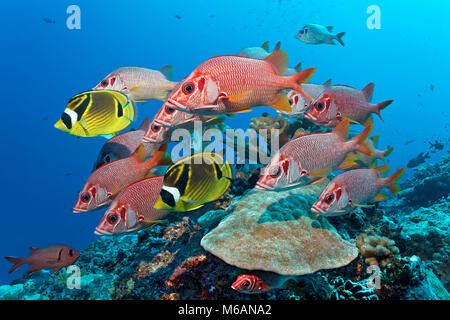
(83,106)
(65,118)
(183,179)
(167,198)
(119,109)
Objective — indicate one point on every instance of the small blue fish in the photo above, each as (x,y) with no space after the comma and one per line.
(317,34)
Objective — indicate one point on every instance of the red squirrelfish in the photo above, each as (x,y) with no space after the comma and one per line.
(230,84)
(312,156)
(299,103)
(54,257)
(247,283)
(133,209)
(339,102)
(139,84)
(354,188)
(108,180)
(123,145)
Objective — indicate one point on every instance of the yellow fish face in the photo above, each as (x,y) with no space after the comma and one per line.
(94,113)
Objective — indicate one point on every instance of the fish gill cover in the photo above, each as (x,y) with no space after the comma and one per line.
(288,226)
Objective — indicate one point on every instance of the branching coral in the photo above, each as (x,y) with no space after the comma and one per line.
(378,250)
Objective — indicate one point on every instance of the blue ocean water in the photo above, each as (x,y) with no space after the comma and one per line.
(44,64)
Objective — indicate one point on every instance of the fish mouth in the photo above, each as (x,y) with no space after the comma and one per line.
(101,232)
(316,209)
(176,105)
(79,210)
(262,186)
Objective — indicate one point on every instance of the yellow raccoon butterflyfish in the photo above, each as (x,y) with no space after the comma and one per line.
(194,181)
(93,113)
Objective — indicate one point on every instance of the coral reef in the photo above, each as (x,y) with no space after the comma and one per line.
(376,249)
(273,231)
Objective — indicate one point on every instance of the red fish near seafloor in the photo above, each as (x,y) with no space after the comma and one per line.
(108,180)
(339,102)
(247,283)
(312,156)
(230,84)
(54,257)
(354,188)
(133,208)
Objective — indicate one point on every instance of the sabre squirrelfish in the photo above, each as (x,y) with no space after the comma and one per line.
(108,180)
(230,84)
(311,156)
(339,102)
(316,34)
(354,188)
(194,181)
(369,161)
(133,209)
(123,145)
(299,103)
(54,257)
(247,283)
(138,83)
(258,52)
(94,113)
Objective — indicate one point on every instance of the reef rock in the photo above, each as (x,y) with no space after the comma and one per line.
(273,231)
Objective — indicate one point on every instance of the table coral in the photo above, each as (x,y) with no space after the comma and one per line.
(273,231)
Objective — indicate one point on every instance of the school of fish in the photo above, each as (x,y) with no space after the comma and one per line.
(125,179)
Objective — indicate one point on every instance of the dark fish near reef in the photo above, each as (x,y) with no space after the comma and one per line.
(354,188)
(108,180)
(437,145)
(312,156)
(139,84)
(193,181)
(54,257)
(339,102)
(123,145)
(94,113)
(133,209)
(317,34)
(414,162)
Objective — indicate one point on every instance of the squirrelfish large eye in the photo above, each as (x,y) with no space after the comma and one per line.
(188,88)
(319,106)
(169,109)
(155,128)
(112,218)
(85,197)
(329,198)
(104,83)
(275,172)
(246,284)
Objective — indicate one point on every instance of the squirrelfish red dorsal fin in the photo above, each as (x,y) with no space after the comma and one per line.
(342,128)
(144,125)
(327,83)
(368,91)
(298,67)
(277,46)
(279,60)
(265,46)
(139,153)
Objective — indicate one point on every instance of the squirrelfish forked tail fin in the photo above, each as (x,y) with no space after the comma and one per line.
(391,182)
(17,262)
(386,153)
(381,106)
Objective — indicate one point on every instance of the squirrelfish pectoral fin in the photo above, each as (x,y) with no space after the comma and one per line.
(363,205)
(322,172)
(237,97)
(154,221)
